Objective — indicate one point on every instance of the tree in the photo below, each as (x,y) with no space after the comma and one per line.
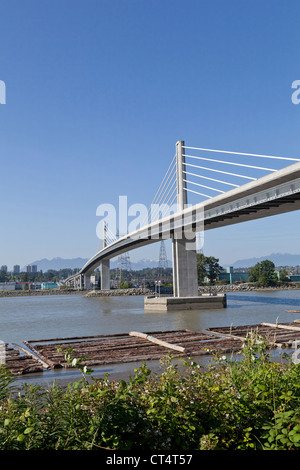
(207,266)
(263,273)
(213,268)
(283,276)
(3,276)
(201,270)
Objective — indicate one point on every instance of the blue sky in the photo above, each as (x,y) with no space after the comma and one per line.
(99,91)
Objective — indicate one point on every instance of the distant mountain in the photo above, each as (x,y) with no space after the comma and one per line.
(59,263)
(141,264)
(73,263)
(279,259)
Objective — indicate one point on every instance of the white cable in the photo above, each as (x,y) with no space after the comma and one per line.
(161,203)
(161,187)
(170,205)
(230,163)
(161,200)
(212,179)
(171,164)
(203,186)
(205,195)
(246,154)
(219,171)
(158,204)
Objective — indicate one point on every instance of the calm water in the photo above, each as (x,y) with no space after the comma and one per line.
(45,317)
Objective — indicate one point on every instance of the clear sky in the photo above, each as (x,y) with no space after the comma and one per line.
(99,91)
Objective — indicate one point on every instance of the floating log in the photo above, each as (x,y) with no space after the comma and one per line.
(139,346)
(44,364)
(285,327)
(157,341)
(221,334)
(18,364)
(50,363)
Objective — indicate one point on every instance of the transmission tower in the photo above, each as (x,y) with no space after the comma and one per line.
(124,264)
(163,260)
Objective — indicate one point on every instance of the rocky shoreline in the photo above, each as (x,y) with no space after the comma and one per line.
(119,292)
(144,291)
(247,287)
(31,293)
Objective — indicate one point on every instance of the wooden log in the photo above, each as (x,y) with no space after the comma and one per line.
(286,327)
(44,364)
(157,341)
(51,364)
(71,338)
(225,335)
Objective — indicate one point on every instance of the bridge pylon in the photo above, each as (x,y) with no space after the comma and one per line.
(105,264)
(185,283)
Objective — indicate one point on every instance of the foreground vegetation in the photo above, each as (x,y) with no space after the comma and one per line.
(246,404)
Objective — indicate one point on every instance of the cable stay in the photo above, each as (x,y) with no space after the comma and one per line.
(219,171)
(163,191)
(244,154)
(231,163)
(212,179)
(203,186)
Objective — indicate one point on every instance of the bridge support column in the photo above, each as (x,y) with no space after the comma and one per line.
(185,282)
(105,264)
(105,274)
(86,281)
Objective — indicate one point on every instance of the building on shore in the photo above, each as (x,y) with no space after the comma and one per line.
(31,268)
(49,285)
(231,276)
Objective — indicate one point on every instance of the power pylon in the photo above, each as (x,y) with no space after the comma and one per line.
(163,260)
(124,264)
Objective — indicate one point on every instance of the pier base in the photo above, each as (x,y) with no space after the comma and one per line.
(165,304)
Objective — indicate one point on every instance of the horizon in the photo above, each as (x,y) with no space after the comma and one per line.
(236,264)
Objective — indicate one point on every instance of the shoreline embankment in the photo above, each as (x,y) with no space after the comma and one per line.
(244,287)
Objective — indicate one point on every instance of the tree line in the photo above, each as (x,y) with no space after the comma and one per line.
(208,268)
(51,275)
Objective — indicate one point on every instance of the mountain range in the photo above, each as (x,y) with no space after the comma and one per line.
(74,263)
(279,259)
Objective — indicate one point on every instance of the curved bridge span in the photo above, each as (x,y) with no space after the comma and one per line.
(275,193)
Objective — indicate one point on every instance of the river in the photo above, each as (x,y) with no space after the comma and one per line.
(58,316)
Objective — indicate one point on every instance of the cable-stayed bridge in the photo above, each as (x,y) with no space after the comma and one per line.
(224,188)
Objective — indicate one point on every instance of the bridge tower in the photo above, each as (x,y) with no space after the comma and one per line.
(105,264)
(185,283)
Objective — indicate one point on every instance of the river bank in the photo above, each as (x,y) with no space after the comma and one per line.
(32,293)
(245,287)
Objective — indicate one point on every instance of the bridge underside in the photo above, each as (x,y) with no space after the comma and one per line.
(265,209)
(267,196)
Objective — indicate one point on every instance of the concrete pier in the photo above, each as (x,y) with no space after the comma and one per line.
(202,302)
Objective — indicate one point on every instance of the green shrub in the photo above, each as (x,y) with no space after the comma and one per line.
(246,404)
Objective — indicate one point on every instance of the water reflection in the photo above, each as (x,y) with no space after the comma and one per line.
(270,299)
